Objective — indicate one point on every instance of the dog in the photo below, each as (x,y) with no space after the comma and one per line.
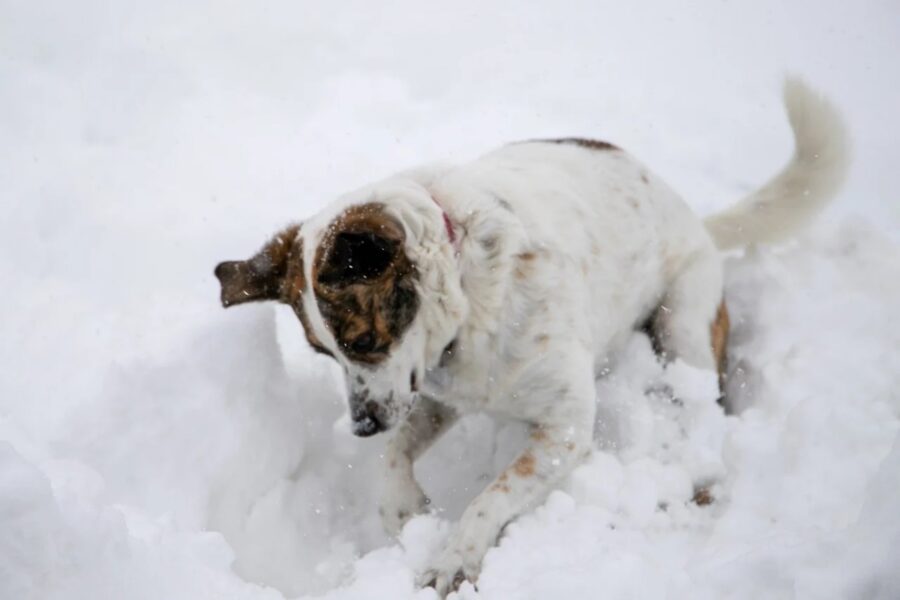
(507,285)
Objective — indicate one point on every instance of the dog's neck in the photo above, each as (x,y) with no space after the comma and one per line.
(464,254)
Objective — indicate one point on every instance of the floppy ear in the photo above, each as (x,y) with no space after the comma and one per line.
(263,276)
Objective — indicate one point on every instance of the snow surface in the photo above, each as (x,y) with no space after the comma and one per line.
(154,446)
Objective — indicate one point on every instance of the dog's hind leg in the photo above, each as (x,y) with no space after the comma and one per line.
(691,322)
(402,498)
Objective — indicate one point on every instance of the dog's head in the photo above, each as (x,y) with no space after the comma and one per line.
(354,286)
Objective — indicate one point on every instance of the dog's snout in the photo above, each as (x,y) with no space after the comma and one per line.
(367,426)
(368,418)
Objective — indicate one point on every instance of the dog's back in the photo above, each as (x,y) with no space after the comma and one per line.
(588,230)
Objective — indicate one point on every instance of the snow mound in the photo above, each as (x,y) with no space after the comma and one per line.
(218,472)
(154,446)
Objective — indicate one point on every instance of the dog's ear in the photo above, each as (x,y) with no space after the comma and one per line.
(360,246)
(265,275)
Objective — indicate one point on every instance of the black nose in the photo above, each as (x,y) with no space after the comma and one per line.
(366,420)
(363,344)
(368,426)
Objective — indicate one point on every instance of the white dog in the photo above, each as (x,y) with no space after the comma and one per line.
(505,284)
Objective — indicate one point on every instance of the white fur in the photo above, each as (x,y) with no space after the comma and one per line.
(814,175)
(563,250)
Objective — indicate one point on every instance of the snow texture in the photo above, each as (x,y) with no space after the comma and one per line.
(153,446)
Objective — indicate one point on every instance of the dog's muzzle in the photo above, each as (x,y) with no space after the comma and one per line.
(368,416)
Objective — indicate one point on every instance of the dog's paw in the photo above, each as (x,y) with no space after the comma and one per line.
(400,502)
(447,575)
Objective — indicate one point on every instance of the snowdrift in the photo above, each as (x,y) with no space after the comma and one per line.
(153,447)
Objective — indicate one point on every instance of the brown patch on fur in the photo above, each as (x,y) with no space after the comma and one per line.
(525,465)
(718,339)
(703,497)
(583,142)
(355,306)
(538,434)
(294,284)
(262,276)
(524,264)
(719,336)
(500,487)
(273,273)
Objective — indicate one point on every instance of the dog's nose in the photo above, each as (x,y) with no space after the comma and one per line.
(367,420)
(368,426)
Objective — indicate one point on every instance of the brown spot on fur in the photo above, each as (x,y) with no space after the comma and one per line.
(364,282)
(583,142)
(718,338)
(262,277)
(524,265)
(273,273)
(538,434)
(524,466)
(294,284)
(500,487)
(719,335)
(703,497)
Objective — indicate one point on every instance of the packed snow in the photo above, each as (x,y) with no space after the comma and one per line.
(155,446)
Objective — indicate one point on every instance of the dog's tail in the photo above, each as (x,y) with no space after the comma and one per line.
(803,187)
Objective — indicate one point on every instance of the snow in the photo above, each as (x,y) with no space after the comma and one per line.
(154,446)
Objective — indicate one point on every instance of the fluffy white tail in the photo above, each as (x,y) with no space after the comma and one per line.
(803,187)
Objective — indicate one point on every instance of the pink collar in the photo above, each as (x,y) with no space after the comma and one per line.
(448,225)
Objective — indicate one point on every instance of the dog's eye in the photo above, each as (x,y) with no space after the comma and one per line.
(357,257)
(363,344)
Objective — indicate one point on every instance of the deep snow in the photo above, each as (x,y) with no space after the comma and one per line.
(154,446)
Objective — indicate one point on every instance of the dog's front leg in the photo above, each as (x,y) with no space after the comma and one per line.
(402,497)
(554,449)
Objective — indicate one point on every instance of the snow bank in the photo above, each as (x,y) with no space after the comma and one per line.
(192,477)
(154,446)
